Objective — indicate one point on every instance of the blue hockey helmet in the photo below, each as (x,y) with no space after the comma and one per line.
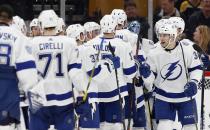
(134,27)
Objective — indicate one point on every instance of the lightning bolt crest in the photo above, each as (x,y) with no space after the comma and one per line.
(170,69)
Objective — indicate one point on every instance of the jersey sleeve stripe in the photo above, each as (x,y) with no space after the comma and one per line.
(169,95)
(25,65)
(92,95)
(129,71)
(59,97)
(96,71)
(195,68)
(74,66)
(112,93)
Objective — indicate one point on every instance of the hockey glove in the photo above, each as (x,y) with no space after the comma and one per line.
(115,61)
(144,70)
(37,98)
(205,60)
(190,89)
(83,109)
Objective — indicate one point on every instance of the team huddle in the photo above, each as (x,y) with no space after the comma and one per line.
(96,76)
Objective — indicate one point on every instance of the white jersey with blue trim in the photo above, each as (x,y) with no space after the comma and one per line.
(144,46)
(107,87)
(93,88)
(13,52)
(170,73)
(127,36)
(59,67)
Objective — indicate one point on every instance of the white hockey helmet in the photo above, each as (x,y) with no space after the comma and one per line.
(88,27)
(60,25)
(48,18)
(91,26)
(34,23)
(19,24)
(75,30)
(119,15)
(178,23)
(108,24)
(159,24)
(96,26)
(167,28)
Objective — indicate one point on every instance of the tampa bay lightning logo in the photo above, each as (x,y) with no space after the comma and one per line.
(171,71)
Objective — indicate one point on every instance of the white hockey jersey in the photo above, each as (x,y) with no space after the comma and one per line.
(93,88)
(108,90)
(59,67)
(13,52)
(144,46)
(169,70)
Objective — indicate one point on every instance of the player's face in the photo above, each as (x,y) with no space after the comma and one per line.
(35,31)
(88,36)
(95,33)
(164,39)
(196,35)
(82,36)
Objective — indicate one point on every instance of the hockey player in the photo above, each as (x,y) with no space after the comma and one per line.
(92,30)
(176,80)
(112,91)
(61,27)
(58,69)
(35,29)
(77,32)
(144,44)
(17,69)
(87,113)
(19,24)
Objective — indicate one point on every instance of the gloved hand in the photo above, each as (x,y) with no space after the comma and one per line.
(190,89)
(205,60)
(37,98)
(144,70)
(83,109)
(35,102)
(115,61)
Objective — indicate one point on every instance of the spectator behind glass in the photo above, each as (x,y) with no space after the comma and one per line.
(201,37)
(167,10)
(132,15)
(201,17)
(188,7)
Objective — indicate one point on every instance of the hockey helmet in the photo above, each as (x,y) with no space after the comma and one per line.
(108,24)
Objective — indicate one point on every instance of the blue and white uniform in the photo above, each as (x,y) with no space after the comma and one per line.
(170,78)
(17,69)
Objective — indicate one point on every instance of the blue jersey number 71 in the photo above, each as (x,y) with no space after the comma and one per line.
(49,58)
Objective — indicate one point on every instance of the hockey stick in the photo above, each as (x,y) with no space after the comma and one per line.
(118,87)
(76,117)
(91,76)
(187,77)
(133,87)
(200,51)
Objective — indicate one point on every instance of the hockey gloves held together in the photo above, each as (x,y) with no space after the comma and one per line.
(190,89)
(144,68)
(37,98)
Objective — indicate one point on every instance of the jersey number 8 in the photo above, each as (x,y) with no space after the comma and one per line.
(5,52)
